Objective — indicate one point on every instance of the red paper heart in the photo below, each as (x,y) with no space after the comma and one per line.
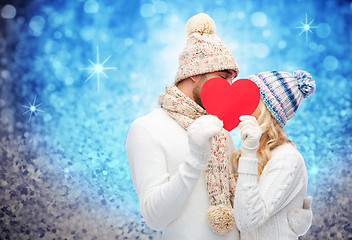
(229,102)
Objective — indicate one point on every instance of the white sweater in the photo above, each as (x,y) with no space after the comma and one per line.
(261,207)
(172,194)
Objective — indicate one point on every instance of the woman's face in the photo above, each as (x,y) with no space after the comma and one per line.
(256,113)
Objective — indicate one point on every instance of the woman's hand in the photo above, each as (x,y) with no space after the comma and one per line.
(250,132)
(200,134)
(300,219)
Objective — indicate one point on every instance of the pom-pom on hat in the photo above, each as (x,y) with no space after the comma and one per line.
(204,51)
(283,92)
(200,23)
(305,82)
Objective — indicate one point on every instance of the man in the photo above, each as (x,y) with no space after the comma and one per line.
(178,154)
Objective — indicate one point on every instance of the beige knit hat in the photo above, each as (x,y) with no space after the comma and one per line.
(204,51)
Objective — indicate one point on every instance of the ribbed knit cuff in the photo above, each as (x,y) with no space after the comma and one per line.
(248,165)
(195,163)
(247,171)
(248,153)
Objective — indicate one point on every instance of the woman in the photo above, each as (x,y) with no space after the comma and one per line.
(271,173)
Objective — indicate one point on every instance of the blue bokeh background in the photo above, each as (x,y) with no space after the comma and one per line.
(64,171)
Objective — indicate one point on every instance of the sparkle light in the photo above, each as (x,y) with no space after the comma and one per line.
(98,68)
(32,108)
(306,27)
(314,170)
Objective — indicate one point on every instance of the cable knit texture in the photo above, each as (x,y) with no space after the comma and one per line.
(172,193)
(219,177)
(261,207)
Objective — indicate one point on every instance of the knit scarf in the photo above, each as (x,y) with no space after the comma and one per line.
(218,174)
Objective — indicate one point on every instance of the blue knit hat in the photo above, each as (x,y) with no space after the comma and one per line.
(283,92)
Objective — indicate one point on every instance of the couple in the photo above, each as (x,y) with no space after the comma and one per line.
(191,180)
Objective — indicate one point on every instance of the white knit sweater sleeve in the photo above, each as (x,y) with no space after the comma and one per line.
(162,197)
(255,202)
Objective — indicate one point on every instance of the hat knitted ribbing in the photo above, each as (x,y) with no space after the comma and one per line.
(204,51)
(283,92)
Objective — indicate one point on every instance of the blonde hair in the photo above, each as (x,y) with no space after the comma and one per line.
(273,136)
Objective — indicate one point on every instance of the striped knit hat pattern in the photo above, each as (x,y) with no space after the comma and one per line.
(283,92)
(204,51)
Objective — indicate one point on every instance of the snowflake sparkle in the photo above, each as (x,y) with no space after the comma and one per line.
(32,108)
(98,68)
(306,27)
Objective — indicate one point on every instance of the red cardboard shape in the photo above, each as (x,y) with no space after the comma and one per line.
(230,101)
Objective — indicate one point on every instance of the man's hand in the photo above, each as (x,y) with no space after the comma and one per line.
(200,134)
